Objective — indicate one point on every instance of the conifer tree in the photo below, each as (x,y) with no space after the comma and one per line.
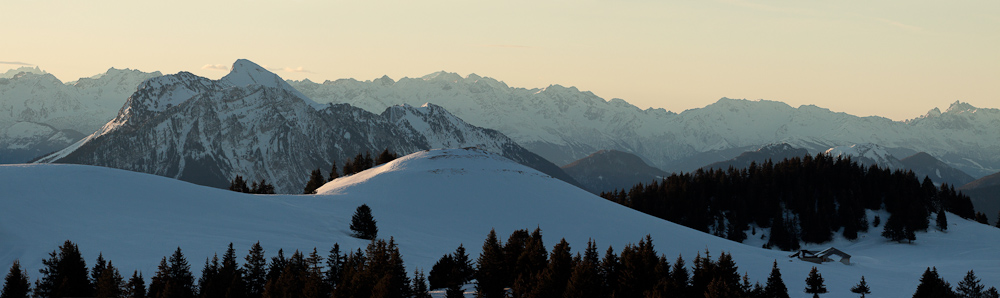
(942,220)
(315,181)
(775,287)
(181,282)
(263,188)
(334,266)
(491,269)
(16,284)
(552,281)
(608,271)
(255,271)
(931,285)
(136,286)
(419,285)
(363,224)
(333,172)
(992,293)
(861,288)
(275,269)
(814,283)
(970,286)
(209,284)
(385,157)
(679,276)
(64,274)
(99,266)
(239,185)
(110,284)
(157,284)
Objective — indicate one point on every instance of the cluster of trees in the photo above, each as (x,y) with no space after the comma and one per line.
(522,267)
(377,271)
(351,166)
(804,199)
(240,185)
(932,285)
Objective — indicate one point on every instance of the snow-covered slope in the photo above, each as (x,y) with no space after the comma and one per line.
(40,114)
(430,202)
(251,123)
(566,124)
(867,155)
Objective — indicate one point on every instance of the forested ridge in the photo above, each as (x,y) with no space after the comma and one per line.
(804,199)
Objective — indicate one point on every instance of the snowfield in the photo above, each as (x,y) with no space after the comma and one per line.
(430,202)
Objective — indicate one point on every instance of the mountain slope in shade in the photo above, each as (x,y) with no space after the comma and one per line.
(772,152)
(429,202)
(40,114)
(925,165)
(565,124)
(985,195)
(251,123)
(608,170)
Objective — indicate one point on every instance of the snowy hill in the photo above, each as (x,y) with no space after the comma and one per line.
(867,155)
(251,123)
(430,202)
(565,124)
(40,114)
(609,170)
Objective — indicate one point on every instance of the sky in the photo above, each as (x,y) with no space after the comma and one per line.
(896,59)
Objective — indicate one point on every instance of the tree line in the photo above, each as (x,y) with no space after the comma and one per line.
(521,267)
(804,199)
(316,179)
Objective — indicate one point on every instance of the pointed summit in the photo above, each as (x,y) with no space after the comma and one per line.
(244,72)
(958,107)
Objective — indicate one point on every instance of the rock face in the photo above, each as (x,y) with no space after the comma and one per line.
(867,155)
(608,170)
(40,114)
(566,124)
(252,123)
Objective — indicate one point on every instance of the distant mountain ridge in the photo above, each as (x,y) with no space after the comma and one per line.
(40,114)
(251,123)
(565,124)
(609,170)
(773,152)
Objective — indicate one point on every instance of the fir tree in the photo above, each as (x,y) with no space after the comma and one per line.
(419,285)
(16,284)
(333,172)
(180,282)
(315,181)
(334,266)
(136,286)
(363,224)
(64,274)
(263,188)
(861,288)
(110,284)
(491,269)
(385,157)
(814,283)
(775,287)
(608,271)
(991,293)
(942,220)
(255,271)
(970,286)
(931,285)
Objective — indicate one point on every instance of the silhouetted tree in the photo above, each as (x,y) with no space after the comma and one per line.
(136,286)
(64,274)
(861,288)
(255,271)
(239,185)
(775,287)
(363,223)
(16,284)
(315,181)
(970,286)
(814,283)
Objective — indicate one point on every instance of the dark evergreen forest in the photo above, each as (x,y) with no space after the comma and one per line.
(804,199)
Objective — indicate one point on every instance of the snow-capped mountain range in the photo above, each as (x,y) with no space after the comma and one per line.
(40,114)
(867,155)
(252,123)
(565,124)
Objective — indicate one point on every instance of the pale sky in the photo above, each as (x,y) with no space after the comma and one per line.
(896,59)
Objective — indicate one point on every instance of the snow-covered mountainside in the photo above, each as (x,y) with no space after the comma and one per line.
(609,170)
(10,73)
(867,155)
(925,165)
(429,202)
(773,152)
(40,114)
(566,124)
(252,123)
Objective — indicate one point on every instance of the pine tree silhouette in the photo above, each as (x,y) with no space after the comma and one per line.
(363,223)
